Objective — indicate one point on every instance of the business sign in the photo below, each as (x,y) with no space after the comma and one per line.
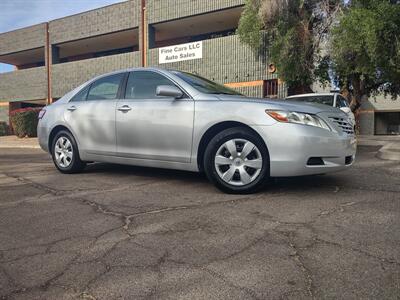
(181,52)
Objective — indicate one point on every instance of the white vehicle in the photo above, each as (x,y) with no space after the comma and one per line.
(331,99)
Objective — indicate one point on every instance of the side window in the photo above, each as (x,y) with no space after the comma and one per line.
(105,88)
(341,102)
(81,95)
(143,84)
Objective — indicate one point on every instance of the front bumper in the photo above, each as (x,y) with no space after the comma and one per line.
(291,146)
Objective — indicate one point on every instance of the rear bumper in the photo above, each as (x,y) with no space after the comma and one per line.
(291,146)
(43,137)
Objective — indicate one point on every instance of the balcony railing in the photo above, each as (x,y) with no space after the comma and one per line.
(67,76)
(27,84)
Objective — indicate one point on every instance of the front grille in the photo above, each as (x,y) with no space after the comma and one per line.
(343,124)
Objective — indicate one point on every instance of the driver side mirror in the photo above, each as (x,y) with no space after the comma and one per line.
(169,91)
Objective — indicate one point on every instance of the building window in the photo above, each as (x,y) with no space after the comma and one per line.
(271,88)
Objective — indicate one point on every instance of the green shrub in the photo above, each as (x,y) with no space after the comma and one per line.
(24,121)
(3,128)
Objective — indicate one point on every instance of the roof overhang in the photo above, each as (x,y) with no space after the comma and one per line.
(217,21)
(24,57)
(104,42)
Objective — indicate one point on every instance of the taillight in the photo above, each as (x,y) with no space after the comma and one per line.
(42,113)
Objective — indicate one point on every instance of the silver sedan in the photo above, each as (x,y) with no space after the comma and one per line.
(170,119)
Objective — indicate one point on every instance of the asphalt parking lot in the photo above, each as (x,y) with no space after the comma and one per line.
(117,232)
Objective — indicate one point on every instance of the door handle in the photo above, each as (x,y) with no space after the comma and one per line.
(124,108)
(71,108)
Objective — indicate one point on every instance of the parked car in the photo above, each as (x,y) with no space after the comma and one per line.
(331,99)
(170,119)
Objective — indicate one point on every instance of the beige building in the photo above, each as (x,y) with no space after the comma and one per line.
(54,57)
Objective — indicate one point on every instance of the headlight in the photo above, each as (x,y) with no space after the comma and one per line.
(298,118)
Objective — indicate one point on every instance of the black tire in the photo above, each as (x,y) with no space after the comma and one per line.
(219,140)
(75,165)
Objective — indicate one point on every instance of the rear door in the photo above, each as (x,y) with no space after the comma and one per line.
(91,115)
(150,126)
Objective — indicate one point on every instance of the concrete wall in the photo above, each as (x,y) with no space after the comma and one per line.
(252,91)
(163,10)
(367,123)
(381,103)
(27,84)
(23,39)
(68,76)
(108,19)
(224,60)
(258,91)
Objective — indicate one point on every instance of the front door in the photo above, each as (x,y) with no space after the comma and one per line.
(91,115)
(150,126)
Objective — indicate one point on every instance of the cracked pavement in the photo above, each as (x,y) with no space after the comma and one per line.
(119,232)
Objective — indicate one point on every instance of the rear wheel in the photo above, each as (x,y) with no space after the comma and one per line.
(237,161)
(65,153)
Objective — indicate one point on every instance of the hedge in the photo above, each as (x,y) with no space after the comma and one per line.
(3,128)
(24,121)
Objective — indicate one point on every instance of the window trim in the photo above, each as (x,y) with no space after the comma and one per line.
(186,95)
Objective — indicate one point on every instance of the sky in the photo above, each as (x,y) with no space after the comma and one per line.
(16,14)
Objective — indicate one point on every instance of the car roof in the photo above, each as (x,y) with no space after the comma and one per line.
(138,69)
(162,70)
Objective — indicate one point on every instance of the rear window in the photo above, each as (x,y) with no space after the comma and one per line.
(105,88)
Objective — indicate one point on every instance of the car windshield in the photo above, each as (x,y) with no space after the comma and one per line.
(204,85)
(325,99)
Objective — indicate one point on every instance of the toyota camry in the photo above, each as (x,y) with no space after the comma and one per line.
(171,119)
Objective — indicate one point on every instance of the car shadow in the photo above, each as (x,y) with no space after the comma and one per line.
(156,173)
(274,185)
(306,183)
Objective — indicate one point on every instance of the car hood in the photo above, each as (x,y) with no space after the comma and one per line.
(287,105)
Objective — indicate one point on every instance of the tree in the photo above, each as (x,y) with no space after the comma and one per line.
(365,49)
(295,31)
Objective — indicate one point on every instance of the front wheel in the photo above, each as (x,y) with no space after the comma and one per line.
(65,153)
(237,161)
